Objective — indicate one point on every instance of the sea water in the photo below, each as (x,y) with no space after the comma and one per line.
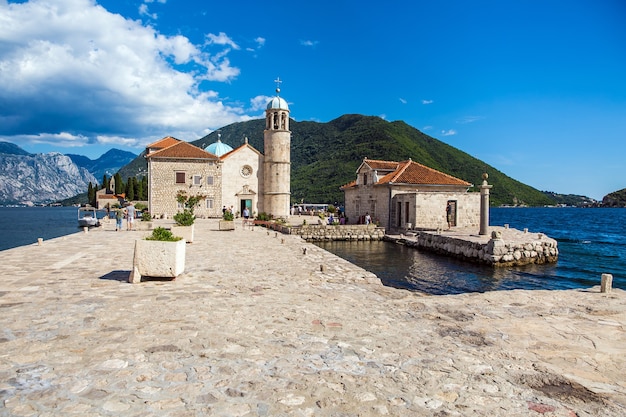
(21,226)
(590,242)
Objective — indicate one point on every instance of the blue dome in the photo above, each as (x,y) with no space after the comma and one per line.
(218,148)
(277,103)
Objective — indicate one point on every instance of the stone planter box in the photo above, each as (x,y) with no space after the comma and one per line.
(186,232)
(141,225)
(227,225)
(154,258)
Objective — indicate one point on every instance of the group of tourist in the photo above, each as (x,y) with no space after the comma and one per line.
(127,212)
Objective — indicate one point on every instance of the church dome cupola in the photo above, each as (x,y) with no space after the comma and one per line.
(277,112)
(218,148)
(277,103)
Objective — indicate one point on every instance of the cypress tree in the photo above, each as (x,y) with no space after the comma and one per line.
(91,194)
(119,184)
(130,189)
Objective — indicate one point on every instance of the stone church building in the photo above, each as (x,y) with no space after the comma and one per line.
(408,195)
(234,178)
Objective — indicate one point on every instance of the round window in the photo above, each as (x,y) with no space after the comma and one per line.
(246,171)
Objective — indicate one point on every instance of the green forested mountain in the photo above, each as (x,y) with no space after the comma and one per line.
(615,199)
(325,156)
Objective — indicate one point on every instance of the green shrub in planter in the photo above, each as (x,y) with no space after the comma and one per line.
(228,216)
(146,217)
(184,218)
(163,235)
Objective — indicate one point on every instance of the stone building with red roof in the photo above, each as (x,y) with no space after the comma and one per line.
(175,165)
(409,195)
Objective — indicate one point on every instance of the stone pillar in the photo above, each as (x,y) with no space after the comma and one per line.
(606,283)
(484,206)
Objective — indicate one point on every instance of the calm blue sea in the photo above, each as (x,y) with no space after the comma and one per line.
(591,242)
(21,226)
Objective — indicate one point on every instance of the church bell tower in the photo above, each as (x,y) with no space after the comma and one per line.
(277,162)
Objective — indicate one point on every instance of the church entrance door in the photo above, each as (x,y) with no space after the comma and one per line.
(243,204)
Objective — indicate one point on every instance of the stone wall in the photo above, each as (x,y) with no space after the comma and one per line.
(428,209)
(320,232)
(163,187)
(515,248)
(243,184)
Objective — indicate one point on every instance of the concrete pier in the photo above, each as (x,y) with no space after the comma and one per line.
(269,325)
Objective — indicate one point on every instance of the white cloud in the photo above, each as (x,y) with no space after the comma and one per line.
(221,39)
(143,11)
(427,101)
(309,43)
(403,101)
(73,73)
(450,132)
(470,119)
(259,102)
(260,41)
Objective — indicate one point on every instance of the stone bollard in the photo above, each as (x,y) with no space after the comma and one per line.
(40,241)
(606,283)
(276,234)
(304,251)
(322,268)
(85,229)
(506,225)
(282,241)
(526,230)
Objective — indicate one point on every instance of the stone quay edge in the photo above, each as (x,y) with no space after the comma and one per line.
(257,326)
(504,247)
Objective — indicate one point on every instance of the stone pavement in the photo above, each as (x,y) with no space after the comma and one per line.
(255,327)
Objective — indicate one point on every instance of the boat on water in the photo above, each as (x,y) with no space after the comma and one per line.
(87,217)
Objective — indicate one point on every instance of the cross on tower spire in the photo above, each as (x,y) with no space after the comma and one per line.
(277,81)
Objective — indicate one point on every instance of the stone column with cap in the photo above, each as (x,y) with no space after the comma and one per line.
(484,206)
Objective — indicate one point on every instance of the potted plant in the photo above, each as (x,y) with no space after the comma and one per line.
(161,254)
(186,218)
(228,221)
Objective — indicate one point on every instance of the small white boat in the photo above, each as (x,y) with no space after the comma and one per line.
(87,217)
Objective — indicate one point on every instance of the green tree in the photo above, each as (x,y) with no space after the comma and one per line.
(139,192)
(130,189)
(119,184)
(105,182)
(91,194)
(144,187)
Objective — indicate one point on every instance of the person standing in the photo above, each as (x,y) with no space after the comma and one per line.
(119,216)
(449,215)
(246,215)
(368,218)
(130,216)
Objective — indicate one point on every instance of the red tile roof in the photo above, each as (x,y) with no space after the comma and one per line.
(410,172)
(245,145)
(164,143)
(381,165)
(182,150)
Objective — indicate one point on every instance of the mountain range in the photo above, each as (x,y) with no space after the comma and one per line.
(27,178)
(324,156)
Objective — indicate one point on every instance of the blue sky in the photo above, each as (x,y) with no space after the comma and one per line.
(535,88)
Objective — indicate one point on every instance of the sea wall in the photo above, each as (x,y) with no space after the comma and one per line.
(507,247)
(321,232)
